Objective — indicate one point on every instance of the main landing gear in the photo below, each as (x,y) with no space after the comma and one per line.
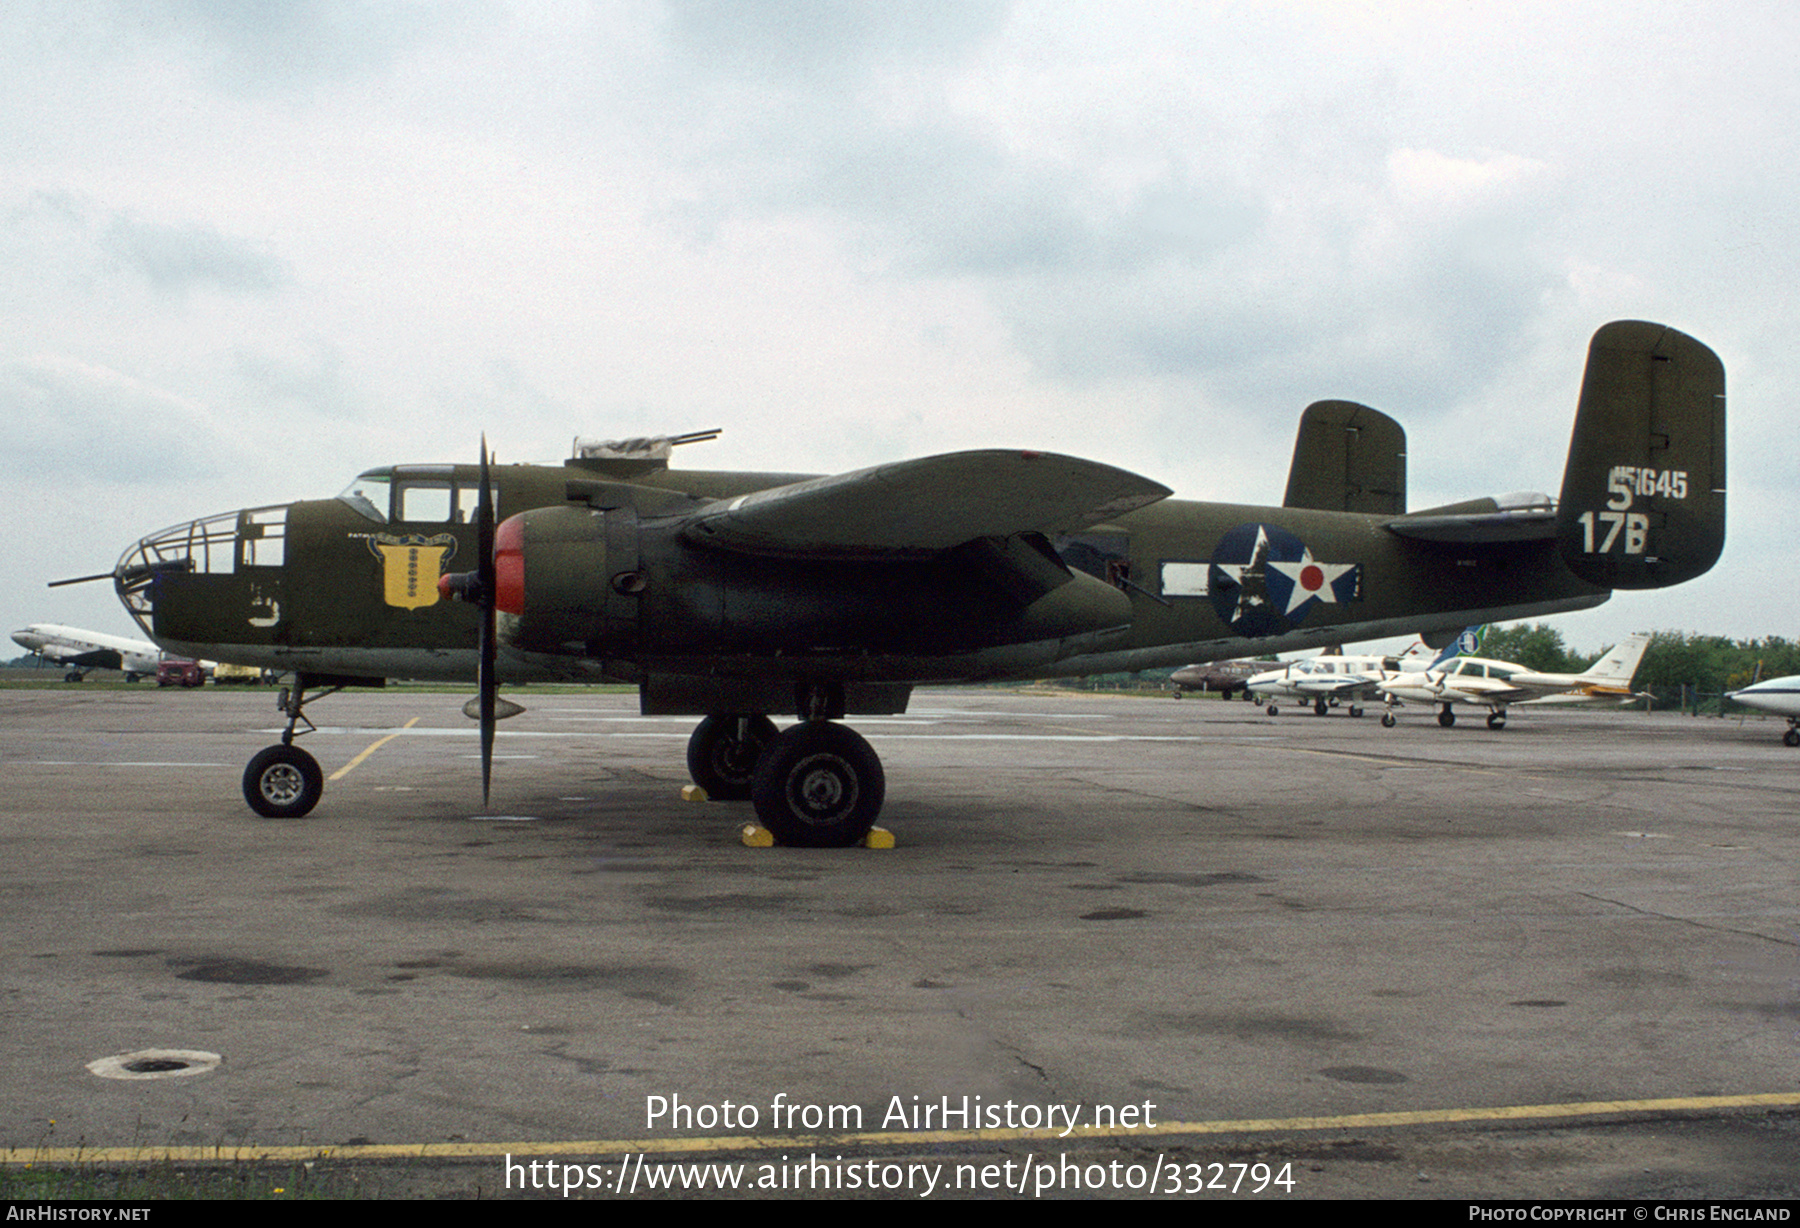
(283,781)
(817,784)
(723,752)
(1792,736)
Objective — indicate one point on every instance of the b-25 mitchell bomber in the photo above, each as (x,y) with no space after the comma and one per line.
(735,597)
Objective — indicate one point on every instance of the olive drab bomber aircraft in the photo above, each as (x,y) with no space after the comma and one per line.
(740,597)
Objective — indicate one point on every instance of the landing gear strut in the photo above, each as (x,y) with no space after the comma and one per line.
(283,781)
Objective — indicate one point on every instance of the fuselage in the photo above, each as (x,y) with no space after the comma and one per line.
(1781,695)
(1326,677)
(348,586)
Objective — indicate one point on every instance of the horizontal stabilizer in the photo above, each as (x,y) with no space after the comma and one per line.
(917,508)
(1512,518)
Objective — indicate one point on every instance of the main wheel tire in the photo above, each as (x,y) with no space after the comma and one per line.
(1791,737)
(1496,720)
(1446,718)
(1272,710)
(1320,707)
(722,762)
(1355,710)
(283,782)
(819,785)
(1388,720)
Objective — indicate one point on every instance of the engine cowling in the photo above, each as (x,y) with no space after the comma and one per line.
(567,580)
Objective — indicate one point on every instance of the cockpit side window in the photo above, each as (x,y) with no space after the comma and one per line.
(419,494)
(426,501)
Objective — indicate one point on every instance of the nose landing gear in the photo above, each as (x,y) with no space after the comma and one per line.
(283,781)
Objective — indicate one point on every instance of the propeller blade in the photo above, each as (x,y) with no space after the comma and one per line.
(484,570)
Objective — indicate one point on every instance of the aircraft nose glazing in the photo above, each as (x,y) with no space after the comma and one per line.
(219,544)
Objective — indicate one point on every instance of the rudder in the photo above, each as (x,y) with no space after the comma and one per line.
(1643,494)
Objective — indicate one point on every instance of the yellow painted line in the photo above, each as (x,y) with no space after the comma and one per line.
(890,1138)
(374,746)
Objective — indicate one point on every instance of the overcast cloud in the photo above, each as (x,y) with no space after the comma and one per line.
(249,249)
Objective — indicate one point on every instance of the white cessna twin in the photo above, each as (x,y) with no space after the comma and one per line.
(1326,681)
(1495,684)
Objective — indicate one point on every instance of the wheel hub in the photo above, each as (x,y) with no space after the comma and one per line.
(282,784)
(824,788)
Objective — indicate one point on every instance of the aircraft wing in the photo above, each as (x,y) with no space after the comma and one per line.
(1352,685)
(917,508)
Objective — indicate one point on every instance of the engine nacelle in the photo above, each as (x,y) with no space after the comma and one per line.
(575,580)
(567,580)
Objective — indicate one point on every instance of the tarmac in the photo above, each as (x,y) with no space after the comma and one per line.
(1125,946)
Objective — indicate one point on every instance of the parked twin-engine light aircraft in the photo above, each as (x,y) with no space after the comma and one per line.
(83,650)
(1494,685)
(1779,695)
(1331,679)
(736,596)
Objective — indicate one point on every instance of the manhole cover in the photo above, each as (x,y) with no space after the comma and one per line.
(155,1064)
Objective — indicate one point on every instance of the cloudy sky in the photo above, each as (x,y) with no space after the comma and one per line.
(248,249)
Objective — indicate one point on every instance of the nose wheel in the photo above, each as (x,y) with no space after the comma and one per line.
(283,782)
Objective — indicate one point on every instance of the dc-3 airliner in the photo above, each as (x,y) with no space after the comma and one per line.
(738,597)
(82,650)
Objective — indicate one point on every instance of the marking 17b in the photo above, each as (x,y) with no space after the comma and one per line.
(1636,526)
